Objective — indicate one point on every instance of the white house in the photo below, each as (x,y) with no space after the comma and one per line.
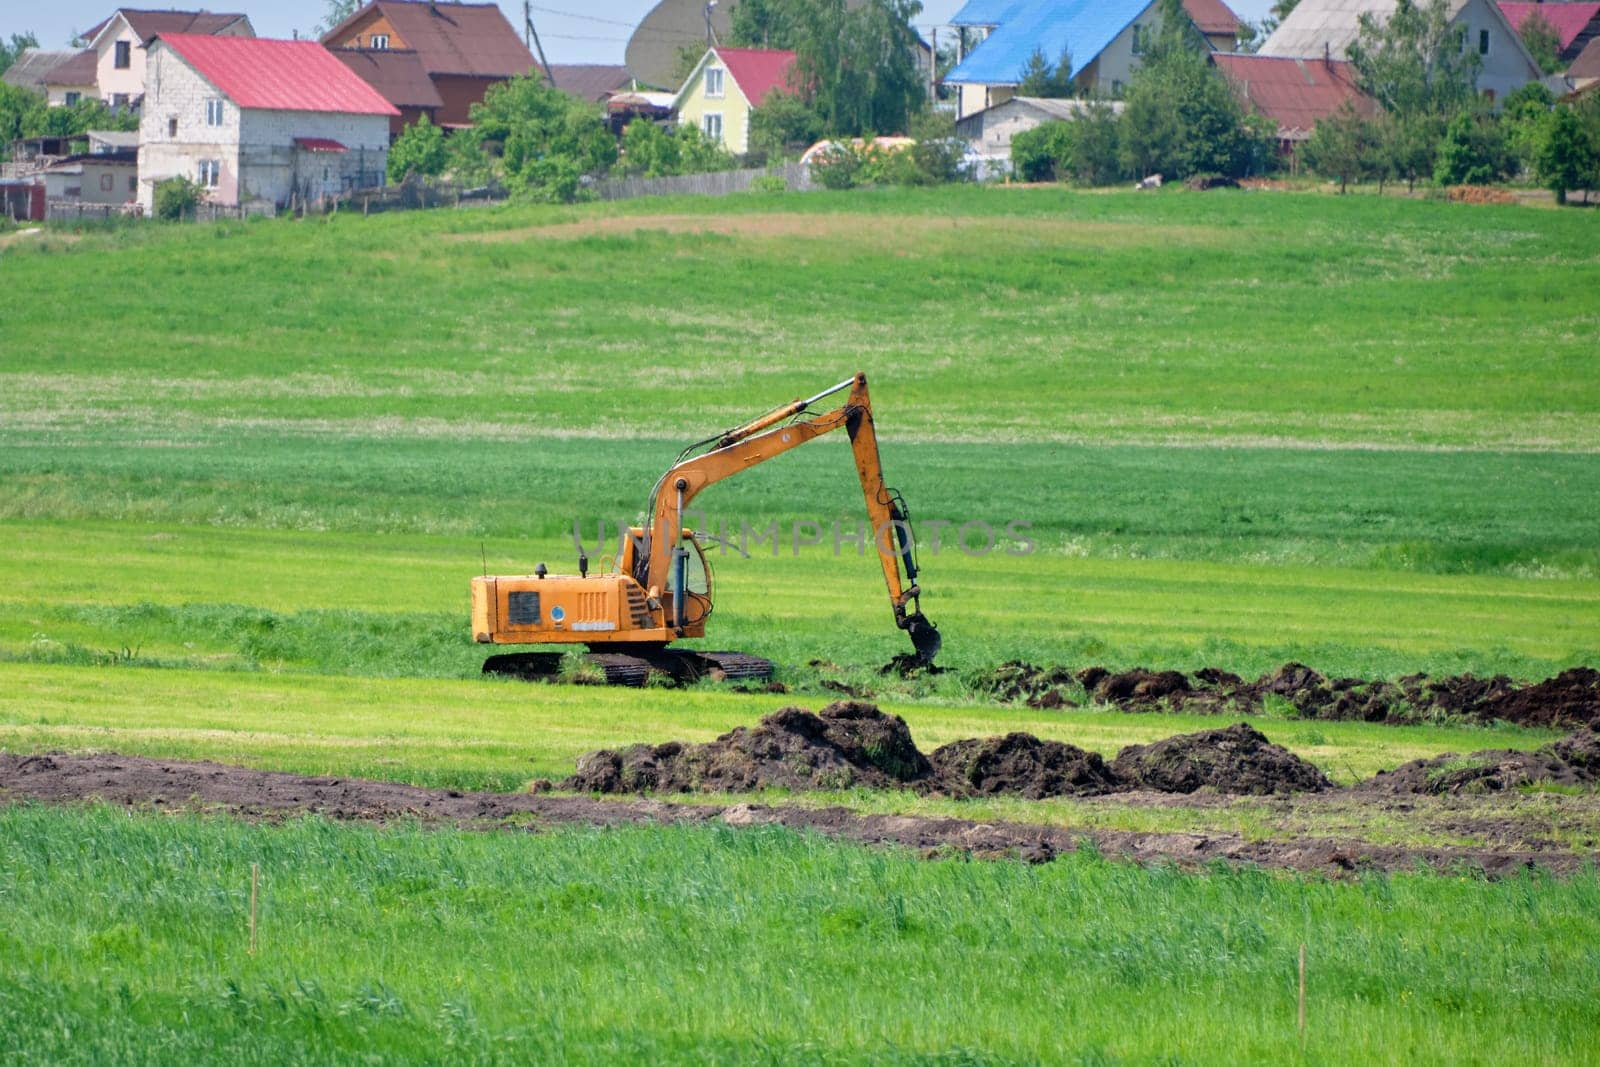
(119,45)
(990,131)
(1318,29)
(258,120)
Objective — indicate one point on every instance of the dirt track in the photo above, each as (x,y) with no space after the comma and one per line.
(175,784)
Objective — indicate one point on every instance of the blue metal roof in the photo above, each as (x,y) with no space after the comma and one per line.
(986,12)
(1082,28)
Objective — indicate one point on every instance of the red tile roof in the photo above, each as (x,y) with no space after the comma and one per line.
(1212,16)
(473,39)
(1569,19)
(1294,93)
(757,71)
(278,75)
(398,75)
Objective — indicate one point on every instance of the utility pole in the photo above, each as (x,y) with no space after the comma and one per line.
(711,34)
(530,39)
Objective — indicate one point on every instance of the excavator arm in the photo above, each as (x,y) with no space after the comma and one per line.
(761,439)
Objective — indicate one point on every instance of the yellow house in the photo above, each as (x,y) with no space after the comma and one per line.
(726,86)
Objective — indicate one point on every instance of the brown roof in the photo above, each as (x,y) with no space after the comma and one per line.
(147,24)
(1294,93)
(81,69)
(397,74)
(590,81)
(33,66)
(1212,17)
(470,39)
(1587,65)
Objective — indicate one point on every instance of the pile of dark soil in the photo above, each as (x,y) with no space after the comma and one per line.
(1020,764)
(845,744)
(1570,699)
(1235,760)
(1572,761)
(852,744)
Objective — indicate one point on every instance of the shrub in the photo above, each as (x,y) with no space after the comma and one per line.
(419,149)
(838,166)
(176,197)
(1044,152)
(1473,152)
(769,183)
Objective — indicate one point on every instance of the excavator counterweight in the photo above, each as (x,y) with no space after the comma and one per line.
(660,589)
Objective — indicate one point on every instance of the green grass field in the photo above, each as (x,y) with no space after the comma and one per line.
(246,471)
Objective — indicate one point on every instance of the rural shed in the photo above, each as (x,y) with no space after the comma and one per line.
(253,119)
(990,131)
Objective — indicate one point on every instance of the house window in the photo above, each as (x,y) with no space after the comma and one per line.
(172,126)
(380,41)
(714,81)
(210,172)
(124,58)
(711,125)
(133,183)
(1483,42)
(119,101)
(73,98)
(1116,88)
(1138,40)
(213,112)
(107,182)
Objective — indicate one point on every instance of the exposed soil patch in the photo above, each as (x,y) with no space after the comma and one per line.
(1235,760)
(1570,699)
(1020,764)
(845,744)
(175,784)
(1572,761)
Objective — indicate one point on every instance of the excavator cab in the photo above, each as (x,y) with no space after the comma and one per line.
(695,575)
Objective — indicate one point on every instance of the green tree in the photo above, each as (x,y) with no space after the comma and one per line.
(648,150)
(937,155)
(1416,62)
(469,164)
(1096,145)
(1543,42)
(1567,156)
(11,49)
(855,66)
(1343,146)
(699,154)
(420,150)
(1473,151)
(21,113)
(1181,116)
(1039,78)
(1043,153)
(335,12)
(547,140)
(783,125)
(1408,146)
(1523,117)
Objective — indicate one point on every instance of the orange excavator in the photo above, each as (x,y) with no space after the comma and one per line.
(659,589)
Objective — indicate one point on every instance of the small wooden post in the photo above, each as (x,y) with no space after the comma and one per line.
(1302,993)
(255,883)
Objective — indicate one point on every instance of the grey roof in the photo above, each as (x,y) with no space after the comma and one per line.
(113,138)
(32,67)
(1061,108)
(1332,24)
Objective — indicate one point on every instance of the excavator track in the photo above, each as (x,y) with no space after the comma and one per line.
(682,666)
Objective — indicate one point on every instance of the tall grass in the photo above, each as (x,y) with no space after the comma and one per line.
(124,940)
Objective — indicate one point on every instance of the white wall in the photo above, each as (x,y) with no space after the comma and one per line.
(1505,67)
(176,91)
(132,79)
(85,183)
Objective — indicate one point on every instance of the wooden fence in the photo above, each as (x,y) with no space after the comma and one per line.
(796,178)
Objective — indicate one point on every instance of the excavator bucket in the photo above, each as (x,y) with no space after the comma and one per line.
(924,637)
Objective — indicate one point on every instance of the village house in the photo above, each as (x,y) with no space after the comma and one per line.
(62,77)
(1103,38)
(1293,93)
(119,45)
(1585,70)
(726,86)
(256,120)
(461,49)
(1325,29)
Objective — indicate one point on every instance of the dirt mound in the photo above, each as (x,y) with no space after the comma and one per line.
(845,744)
(909,665)
(1572,761)
(1235,760)
(1570,699)
(1020,764)
(1479,194)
